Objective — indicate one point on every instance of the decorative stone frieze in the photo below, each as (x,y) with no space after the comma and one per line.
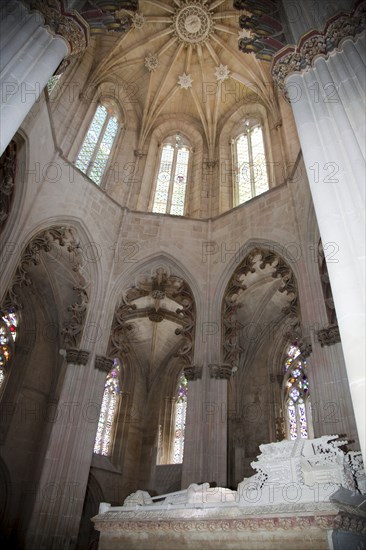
(329,336)
(193,372)
(68,24)
(313,44)
(77,356)
(104,364)
(221,371)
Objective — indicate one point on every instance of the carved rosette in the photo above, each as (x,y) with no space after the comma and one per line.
(104,364)
(70,25)
(76,356)
(220,371)
(193,372)
(314,44)
(329,336)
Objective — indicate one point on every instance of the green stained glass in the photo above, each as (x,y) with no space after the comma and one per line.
(91,139)
(104,151)
(252,177)
(52,82)
(243,169)
(259,161)
(163,180)
(180,182)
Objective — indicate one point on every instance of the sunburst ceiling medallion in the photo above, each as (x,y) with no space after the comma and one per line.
(192,22)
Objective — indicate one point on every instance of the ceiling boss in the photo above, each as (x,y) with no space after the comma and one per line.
(192,22)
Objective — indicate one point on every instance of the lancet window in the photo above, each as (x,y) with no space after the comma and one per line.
(108,412)
(250,167)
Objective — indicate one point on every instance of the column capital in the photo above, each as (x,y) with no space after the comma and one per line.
(329,336)
(220,371)
(77,356)
(104,364)
(296,58)
(68,24)
(192,372)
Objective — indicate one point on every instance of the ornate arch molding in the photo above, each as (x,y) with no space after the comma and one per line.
(258,258)
(54,240)
(157,284)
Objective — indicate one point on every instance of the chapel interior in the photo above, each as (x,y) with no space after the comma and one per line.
(182,235)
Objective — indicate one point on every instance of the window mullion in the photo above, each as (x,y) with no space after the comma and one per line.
(171,183)
(97,145)
(251,166)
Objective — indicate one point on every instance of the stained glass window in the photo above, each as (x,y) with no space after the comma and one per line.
(296,394)
(98,142)
(108,412)
(251,177)
(171,183)
(52,82)
(180,420)
(8,334)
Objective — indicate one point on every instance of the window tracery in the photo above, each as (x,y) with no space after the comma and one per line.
(171,181)
(98,143)
(108,412)
(180,420)
(250,168)
(296,390)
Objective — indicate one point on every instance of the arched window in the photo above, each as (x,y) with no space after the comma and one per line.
(296,395)
(171,181)
(250,169)
(108,412)
(98,142)
(180,421)
(8,334)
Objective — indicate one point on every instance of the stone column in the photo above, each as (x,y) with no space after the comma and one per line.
(63,479)
(192,468)
(327,98)
(30,54)
(216,423)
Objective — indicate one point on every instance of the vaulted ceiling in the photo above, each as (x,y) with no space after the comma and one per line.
(181,57)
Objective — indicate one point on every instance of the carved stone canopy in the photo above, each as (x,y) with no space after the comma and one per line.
(193,372)
(105,364)
(53,240)
(155,321)
(261,264)
(329,336)
(77,356)
(221,371)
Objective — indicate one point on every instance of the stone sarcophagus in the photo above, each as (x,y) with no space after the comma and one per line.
(306,494)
